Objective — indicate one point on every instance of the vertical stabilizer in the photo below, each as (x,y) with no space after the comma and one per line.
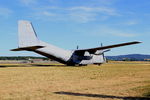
(27,34)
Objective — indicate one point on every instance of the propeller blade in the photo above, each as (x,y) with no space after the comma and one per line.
(77,47)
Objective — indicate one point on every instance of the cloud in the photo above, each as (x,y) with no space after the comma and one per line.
(110,31)
(124,34)
(79,14)
(28,2)
(82,17)
(87,14)
(131,22)
(104,10)
(120,32)
(5,12)
(46,13)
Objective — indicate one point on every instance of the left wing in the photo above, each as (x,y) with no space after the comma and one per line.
(93,50)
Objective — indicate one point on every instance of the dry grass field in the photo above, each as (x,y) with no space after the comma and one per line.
(112,81)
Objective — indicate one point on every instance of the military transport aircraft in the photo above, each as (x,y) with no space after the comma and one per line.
(28,41)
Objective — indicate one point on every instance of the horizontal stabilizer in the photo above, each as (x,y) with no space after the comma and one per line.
(31,48)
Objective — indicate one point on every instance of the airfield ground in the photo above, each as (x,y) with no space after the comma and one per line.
(112,81)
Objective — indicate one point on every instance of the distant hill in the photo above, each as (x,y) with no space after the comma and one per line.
(130,57)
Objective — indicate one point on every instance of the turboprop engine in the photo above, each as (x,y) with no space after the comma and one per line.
(87,56)
(100,52)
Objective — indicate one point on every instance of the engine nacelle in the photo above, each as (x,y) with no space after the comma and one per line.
(87,56)
(99,52)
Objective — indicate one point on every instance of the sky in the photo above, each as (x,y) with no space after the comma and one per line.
(87,23)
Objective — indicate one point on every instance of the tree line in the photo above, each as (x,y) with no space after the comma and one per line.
(21,58)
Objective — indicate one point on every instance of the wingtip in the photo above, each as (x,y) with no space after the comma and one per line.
(14,49)
(138,41)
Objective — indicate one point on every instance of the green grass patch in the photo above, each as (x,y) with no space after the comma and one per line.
(144,90)
(147,91)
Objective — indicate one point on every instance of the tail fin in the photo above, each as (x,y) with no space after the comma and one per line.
(27,34)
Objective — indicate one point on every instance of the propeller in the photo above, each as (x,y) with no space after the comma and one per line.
(101,44)
(77,47)
(103,53)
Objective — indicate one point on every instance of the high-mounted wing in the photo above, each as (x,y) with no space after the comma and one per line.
(93,50)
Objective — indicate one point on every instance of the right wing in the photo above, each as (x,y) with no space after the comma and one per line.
(93,50)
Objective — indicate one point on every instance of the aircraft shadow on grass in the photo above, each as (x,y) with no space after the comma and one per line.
(2,66)
(50,65)
(34,65)
(102,96)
